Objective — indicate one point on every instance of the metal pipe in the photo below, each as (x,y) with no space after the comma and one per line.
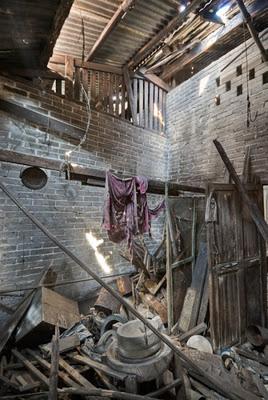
(252,29)
(64,283)
(189,363)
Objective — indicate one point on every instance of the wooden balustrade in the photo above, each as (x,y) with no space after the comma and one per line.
(108,93)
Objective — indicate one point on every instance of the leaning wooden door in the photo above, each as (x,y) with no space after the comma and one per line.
(237,265)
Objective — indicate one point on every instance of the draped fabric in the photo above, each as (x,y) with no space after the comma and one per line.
(126,212)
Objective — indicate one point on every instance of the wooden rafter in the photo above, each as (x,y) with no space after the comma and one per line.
(160,36)
(114,21)
(60,16)
(213,40)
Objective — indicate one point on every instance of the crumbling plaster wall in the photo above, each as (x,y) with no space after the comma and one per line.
(67,208)
(194,119)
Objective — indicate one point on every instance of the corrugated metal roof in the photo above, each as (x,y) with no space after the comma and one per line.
(24,28)
(138,26)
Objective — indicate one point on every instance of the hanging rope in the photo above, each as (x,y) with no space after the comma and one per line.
(249,115)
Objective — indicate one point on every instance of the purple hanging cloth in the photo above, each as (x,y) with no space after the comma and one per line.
(126,212)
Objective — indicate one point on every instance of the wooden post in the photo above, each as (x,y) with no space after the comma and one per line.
(69,74)
(130,95)
(193,234)
(253,209)
(169,273)
(54,371)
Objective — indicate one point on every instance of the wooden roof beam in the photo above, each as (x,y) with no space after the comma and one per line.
(62,13)
(90,176)
(114,21)
(162,34)
(59,59)
(212,40)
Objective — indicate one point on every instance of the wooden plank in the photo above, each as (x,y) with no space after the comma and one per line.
(253,209)
(54,370)
(123,102)
(77,84)
(114,21)
(59,126)
(156,80)
(151,105)
(131,100)
(45,364)
(185,318)
(39,375)
(98,366)
(197,330)
(154,186)
(93,86)
(146,104)
(75,374)
(117,99)
(65,344)
(156,109)
(200,274)
(61,14)
(141,102)
(59,59)
(69,75)
(161,111)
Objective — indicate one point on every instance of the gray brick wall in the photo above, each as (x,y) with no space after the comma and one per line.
(194,120)
(67,208)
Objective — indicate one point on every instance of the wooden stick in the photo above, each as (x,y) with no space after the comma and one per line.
(169,273)
(54,371)
(193,234)
(39,375)
(252,207)
(110,394)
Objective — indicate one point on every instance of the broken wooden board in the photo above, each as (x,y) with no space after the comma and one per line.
(65,344)
(186,314)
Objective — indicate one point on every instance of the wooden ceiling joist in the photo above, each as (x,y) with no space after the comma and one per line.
(213,40)
(60,16)
(114,21)
(162,34)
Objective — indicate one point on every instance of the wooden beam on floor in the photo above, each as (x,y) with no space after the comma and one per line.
(211,41)
(61,127)
(95,177)
(162,34)
(112,24)
(62,13)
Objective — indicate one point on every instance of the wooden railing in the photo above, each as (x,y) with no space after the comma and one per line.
(108,93)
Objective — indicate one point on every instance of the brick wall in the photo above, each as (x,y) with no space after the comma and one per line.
(194,119)
(67,208)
